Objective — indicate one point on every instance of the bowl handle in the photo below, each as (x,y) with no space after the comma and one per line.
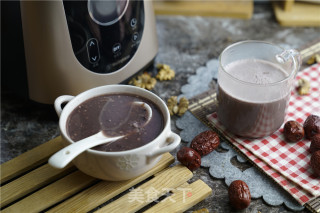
(61,100)
(173,140)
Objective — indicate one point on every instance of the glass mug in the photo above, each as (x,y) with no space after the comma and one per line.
(254,86)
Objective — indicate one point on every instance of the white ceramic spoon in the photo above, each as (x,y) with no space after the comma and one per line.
(61,158)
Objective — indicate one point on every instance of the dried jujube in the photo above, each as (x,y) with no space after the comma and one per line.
(205,142)
(239,194)
(189,157)
(293,131)
(311,126)
(315,143)
(315,162)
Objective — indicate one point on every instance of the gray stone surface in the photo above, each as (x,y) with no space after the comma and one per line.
(259,184)
(185,43)
(201,81)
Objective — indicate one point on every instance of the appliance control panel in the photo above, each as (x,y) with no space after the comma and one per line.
(105,34)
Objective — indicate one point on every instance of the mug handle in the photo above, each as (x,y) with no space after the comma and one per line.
(59,101)
(175,141)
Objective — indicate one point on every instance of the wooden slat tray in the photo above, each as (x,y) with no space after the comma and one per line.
(235,9)
(29,184)
(297,13)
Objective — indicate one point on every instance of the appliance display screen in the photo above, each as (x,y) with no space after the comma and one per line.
(105,35)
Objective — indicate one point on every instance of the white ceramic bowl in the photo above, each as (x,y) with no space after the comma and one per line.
(123,165)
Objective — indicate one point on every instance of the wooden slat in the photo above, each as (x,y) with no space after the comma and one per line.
(314,205)
(288,5)
(159,185)
(30,159)
(29,185)
(105,190)
(183,198)
(235,8)
(309,51)
(52,194)
(310,1)
(31,182)
(301,14)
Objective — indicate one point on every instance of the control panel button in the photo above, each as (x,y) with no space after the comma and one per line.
(93,50)
(133,22)
(135,37)
(105,34)
(116,48)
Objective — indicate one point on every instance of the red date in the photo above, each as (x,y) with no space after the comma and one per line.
(189,157)
(293,131)
(205,142)
(315,162)
(239,194)
(315,143)
(311,126)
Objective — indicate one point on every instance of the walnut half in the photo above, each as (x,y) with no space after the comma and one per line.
(144,81)
(314,59)
(175,108)
(165,72)
(303,86)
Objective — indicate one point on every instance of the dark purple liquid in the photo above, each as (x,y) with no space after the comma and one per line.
(249,119)
(115,114)
(241,115)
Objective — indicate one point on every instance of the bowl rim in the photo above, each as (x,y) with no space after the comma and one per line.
(80,98)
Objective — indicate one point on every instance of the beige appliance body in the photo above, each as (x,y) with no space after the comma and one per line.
(52,66)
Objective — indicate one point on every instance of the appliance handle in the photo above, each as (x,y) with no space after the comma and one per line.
(61,100)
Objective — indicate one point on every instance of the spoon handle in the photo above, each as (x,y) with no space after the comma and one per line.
(61,158)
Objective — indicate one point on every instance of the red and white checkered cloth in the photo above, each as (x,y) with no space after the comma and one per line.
(287,163)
